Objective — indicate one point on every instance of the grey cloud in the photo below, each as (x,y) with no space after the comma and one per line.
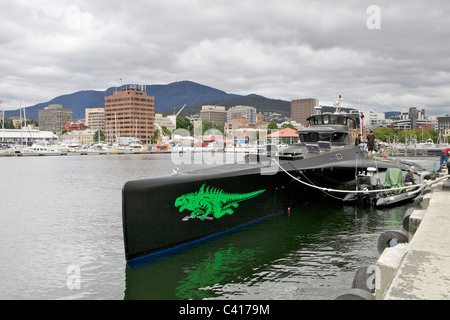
(280,49)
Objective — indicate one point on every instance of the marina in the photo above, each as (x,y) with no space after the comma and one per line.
(214,156)
(236,203)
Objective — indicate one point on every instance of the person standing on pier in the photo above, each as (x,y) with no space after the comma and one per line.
(370,142)
(358,140)
(444,156)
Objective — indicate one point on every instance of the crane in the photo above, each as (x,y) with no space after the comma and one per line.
(180,110)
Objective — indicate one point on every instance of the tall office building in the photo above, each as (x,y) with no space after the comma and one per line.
(95,118)
(301,109)
(215,114)
(130,113)
(54,117)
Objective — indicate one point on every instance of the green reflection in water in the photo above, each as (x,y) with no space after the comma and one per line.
(219,269)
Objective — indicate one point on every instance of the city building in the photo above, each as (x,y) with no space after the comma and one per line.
(215,114)
(284,136)
(444,127)
(301,109)
(237,123)
(130,113)
(170,122)
(414,118)
(78,126)
(54,117)
(95,118)
(84,137)
(26,136)
(246,111)
(373,120)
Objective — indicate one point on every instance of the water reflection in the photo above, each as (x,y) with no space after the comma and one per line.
(310,254)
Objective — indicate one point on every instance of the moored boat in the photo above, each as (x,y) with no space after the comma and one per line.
(170,212)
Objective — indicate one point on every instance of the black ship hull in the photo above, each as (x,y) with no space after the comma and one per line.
(170,212)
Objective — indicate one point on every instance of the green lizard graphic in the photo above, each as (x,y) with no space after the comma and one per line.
(211,201)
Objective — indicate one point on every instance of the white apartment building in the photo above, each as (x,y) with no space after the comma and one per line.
(170,122)
(246,111)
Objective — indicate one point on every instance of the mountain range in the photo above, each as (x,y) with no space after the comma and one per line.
(168,99)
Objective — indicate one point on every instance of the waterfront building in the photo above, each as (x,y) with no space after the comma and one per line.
(246,111)
(83,137)
(215,114)
(54,117)
(287,136)
(131,113)
(95,118)
(26,136)
(301,109)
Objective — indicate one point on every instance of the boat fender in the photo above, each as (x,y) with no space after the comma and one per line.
(371,171)
(390,239)
(350,197)
(356,294)
(406,218)
(426,175)
(363,187)
(418,201)
(365,279)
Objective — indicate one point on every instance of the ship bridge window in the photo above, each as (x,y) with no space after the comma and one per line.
(333,137)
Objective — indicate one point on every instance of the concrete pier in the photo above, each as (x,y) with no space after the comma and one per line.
(420,269)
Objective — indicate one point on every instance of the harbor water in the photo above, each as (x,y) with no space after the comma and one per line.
(61,238)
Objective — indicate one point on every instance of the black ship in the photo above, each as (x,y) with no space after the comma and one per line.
(170,212)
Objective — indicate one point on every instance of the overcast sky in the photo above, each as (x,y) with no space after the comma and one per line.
(392,58)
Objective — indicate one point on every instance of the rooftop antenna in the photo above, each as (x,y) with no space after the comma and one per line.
(337,104)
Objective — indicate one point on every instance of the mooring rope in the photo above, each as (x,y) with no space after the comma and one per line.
(420,187)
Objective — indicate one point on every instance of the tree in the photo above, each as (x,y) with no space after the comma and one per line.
(219,127)
(185,123)
(206,125)
(155,136)
(383,133)
(288,125)
(165,131)
(102,136)
(8,124)
(272,126)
